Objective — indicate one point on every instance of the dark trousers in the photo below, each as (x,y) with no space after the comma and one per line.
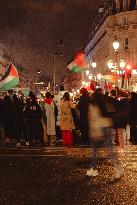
(84,133)
(18,131)
(34,130)
(133,134)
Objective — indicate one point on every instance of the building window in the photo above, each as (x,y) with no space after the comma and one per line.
(126,43)
(132,4)
(124,21)
(121,5)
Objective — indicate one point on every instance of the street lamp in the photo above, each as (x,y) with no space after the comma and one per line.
(116,45)
(122,64)
(83,83)
(39,71)
(36,80)
(99,76)
(54,54)
(90,77)
(94,64)
(110,64)
(87,72)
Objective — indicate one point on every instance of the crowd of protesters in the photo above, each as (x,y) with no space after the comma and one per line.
(60,119)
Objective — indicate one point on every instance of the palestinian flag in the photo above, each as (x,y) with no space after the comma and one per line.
(78,64)
(74,68)
(10,79)
(110,78)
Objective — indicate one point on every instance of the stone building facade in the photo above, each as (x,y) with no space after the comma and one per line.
(117,19)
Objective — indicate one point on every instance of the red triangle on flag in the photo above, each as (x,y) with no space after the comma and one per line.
(13,71)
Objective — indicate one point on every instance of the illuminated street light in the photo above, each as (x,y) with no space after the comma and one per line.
(83,83)
(99,76)
(94,64)
(128,67)
(90,77)
(116,45)
(110,64)
(87,72)
(122,64)
(38,71)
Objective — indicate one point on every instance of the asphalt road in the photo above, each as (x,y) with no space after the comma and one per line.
(56,176)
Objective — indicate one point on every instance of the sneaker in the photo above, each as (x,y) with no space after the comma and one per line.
(18,144)
(119,172)
(92,172)
(27,143)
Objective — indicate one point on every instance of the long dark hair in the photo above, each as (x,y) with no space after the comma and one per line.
(66,96)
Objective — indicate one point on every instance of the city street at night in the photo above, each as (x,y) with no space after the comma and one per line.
(57,176)
(68,102)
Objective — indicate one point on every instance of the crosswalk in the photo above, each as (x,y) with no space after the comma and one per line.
(129,160)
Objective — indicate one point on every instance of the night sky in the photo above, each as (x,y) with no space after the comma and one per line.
(30,30)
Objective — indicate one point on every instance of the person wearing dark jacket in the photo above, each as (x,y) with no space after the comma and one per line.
(33,120)
(83,107)
(18,107)
(9,118)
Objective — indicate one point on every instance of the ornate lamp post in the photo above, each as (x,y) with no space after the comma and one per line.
(94,65)
(87,72)
(116,45)
(59,52)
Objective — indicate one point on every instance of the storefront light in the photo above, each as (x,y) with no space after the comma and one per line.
(134,72)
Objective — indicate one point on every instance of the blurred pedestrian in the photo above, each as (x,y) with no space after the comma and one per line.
(100,125)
